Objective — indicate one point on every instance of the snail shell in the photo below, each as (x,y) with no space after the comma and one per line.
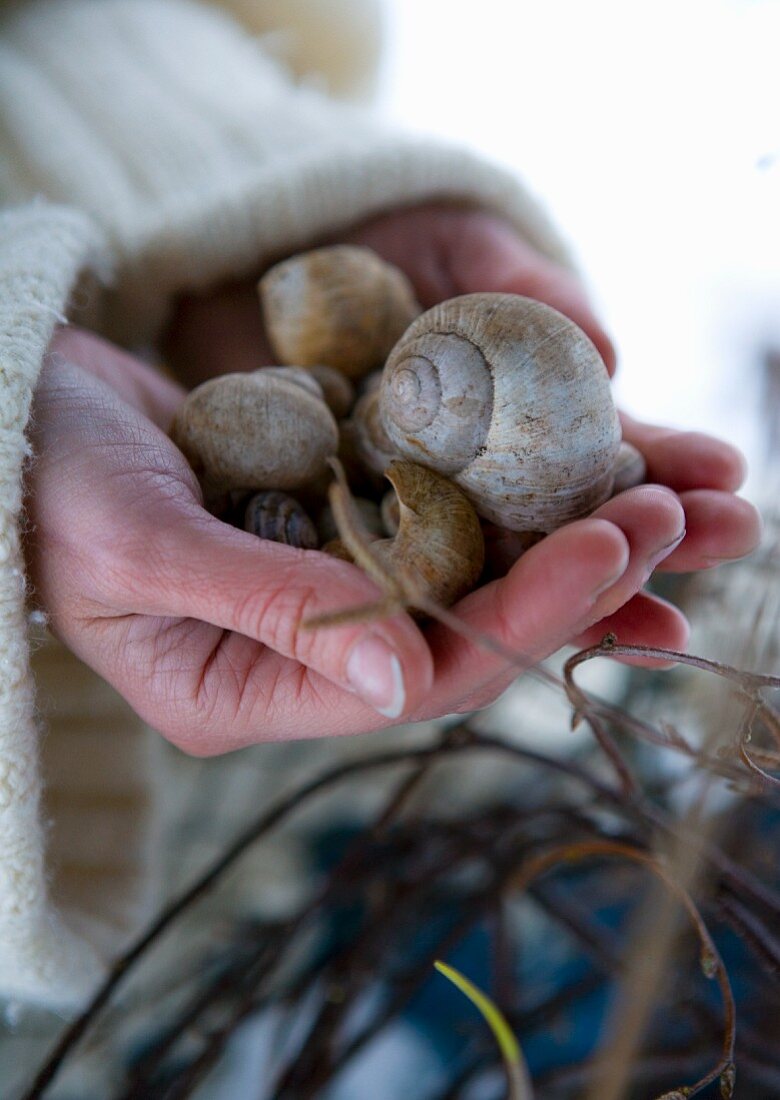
(300,376)
(342,306)
(439,544)
(280,518)
(509,399)
(261,430)
(630,468)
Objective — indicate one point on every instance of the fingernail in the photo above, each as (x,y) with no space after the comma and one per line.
(663,552)
(374,671)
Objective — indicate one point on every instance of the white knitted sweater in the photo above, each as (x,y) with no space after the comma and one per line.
(148,146)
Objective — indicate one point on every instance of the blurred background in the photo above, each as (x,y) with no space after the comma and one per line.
(652,134)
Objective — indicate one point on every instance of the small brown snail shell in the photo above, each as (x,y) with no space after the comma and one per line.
(630,468)
(439,545)
(509,399)
(280,518)
(342,306)
(260,430)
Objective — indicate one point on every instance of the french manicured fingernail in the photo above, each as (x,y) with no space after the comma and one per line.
(663,552)
(374,671)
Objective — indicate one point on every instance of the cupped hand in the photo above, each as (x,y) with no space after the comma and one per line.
(199,625)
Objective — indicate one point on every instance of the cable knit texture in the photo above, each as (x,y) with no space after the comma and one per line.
(164,142)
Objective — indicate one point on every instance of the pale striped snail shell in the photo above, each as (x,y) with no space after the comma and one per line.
(509,399)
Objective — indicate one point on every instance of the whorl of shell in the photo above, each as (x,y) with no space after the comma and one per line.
(509,399)
(342,306)
(280,518)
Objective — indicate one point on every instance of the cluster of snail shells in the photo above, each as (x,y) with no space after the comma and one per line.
(494,400)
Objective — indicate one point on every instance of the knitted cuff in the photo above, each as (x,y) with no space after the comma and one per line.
(42,252)
(198,156)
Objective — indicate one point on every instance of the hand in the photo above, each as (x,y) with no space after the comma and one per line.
(198,624)
(446,251)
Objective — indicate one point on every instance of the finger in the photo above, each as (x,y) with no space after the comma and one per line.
(653,520)
(719,528)
(646,620)
(199,568)
(686,460)
(551,591)
(647,519)
(584,559)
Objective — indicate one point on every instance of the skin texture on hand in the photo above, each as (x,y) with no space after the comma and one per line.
(199,625)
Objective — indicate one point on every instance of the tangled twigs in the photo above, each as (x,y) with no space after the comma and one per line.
(259,828)
(401,875)
(749,685)
(709,958)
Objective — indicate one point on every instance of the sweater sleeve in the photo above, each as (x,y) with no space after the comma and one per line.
(43,251)
(196,153)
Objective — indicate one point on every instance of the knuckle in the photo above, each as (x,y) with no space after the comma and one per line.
(277,619)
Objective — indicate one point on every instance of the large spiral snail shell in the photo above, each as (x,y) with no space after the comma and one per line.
(509,399)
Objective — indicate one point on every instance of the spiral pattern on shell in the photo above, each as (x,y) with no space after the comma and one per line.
(511,400)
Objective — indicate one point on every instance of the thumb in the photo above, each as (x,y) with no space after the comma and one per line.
(267,591)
